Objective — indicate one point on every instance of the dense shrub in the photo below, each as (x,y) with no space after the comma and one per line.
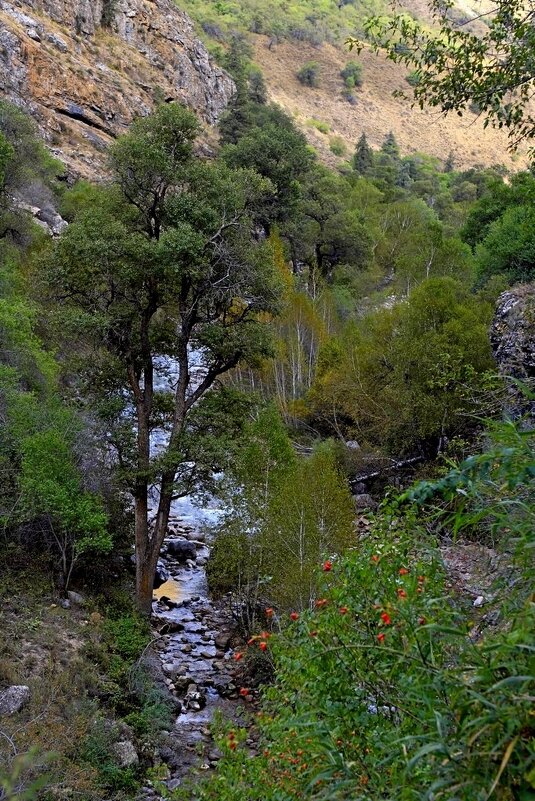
(352,74)
(309,74)
(384,690)
(509,247)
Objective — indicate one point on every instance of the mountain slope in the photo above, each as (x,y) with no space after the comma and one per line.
(85,69)
(376,110)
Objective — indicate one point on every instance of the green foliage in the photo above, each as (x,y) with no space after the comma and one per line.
(111,241)
(419,359)
(310,74)
(384,690)
(257,87)
(19,782)
(319,125)
(126,636)
(413,78)
(337,146)
(489,495)
(109,9)
(97,751)
(42,486)
(289,514)
(6,154)
(312,21)
(363,157)
(50,485)
(352,74)
(494,197)
(509,247)
(25,164)
(279,154)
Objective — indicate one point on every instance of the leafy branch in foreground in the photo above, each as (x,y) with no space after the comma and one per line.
(458,68)
(385,689)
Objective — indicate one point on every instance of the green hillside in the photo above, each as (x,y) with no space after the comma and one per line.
(313,21)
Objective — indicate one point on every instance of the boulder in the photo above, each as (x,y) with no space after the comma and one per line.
(13,699)
(161,575)
(365,501)
(222,640)
(182,550)
(125,754)
(76,598)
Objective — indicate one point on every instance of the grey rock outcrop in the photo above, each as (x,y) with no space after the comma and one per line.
(513,343)
(13,699)
(161,575)
(85,68)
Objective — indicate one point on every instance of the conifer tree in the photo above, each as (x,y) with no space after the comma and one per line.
(257,87)
(390,147)
(363,158)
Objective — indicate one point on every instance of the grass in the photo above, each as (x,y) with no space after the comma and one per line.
(86,692)
(319,125)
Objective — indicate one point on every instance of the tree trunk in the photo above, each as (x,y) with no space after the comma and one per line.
(144,571)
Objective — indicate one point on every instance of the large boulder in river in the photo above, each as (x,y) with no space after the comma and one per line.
(161,575)
(181,550)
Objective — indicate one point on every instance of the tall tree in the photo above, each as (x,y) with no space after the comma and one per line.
(390,147)
(279,152)
(363,158)
(160,263)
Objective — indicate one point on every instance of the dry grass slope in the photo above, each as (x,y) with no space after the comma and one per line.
(376,111)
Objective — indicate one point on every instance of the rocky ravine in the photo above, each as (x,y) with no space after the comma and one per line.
(192,656)
(85,68)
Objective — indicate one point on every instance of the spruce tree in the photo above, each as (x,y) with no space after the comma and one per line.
(363,158)
(257,88)
(390,147)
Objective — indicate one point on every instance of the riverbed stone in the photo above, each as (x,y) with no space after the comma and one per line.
(365,501)
(75,598)
(223,640)
(182,550)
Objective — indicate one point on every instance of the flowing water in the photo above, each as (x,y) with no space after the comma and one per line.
(194,648)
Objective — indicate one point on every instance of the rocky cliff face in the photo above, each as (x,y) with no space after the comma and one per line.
(86,68)
(513,343)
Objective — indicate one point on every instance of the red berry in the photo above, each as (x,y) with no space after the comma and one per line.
(403,571)
(344,610)
(294,616)
(328,565)
(263,645)
(244,691)
(381,636)
(387,620)
(402,593)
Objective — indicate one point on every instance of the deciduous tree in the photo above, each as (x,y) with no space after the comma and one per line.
(162,262)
